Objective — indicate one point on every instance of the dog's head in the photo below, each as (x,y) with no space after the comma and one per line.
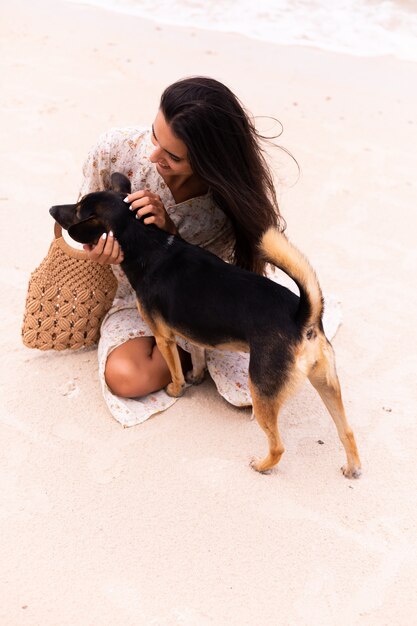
(96,213)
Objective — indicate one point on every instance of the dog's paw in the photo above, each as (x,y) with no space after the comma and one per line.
(256,464)
(351,472)
(175,391)
(193,379)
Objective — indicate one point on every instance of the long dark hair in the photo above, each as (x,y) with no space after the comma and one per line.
(225,153)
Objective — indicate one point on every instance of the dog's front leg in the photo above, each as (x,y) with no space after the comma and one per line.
(165,340)
(198,360)
(168,349)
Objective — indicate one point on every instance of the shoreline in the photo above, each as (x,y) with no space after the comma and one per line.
(134,11)
(106,525)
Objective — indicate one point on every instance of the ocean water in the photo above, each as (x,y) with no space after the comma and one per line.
(357,27)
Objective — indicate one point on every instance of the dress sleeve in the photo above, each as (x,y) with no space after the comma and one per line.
(96,168)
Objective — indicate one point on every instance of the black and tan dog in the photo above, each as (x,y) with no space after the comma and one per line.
(186,291)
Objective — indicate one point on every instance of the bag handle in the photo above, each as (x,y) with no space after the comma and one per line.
(65,247)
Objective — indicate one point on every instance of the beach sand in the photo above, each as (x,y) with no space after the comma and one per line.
(165,523)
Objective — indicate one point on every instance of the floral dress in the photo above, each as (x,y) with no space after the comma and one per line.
(199,221)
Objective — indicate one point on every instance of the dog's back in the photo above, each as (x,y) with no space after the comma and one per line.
(220,305)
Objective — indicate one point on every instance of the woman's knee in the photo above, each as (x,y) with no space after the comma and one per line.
(132,375)
(121,375)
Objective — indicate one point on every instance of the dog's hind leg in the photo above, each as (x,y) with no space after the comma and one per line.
(266,411)
(324,379)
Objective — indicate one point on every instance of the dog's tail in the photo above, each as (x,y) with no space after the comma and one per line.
(277,250)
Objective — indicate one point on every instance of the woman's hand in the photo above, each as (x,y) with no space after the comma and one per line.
(107,250)
(150,204)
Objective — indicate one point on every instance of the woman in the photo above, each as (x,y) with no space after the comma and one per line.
(200,172)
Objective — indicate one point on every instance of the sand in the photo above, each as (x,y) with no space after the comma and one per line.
(165,523)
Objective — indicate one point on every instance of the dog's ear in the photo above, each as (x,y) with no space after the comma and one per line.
(88,231)
(120,182)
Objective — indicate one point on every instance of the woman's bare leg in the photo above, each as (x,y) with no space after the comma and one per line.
(137,368)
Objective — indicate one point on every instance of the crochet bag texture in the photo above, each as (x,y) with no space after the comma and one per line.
(68,296)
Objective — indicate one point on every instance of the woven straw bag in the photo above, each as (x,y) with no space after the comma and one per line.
(68,296)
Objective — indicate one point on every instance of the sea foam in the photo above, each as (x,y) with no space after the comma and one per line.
(356,27)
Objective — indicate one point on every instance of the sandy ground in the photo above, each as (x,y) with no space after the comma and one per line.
(165,523)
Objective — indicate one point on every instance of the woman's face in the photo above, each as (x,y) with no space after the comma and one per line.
(170,154)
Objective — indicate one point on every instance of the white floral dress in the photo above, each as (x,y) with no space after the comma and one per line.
(199,221)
